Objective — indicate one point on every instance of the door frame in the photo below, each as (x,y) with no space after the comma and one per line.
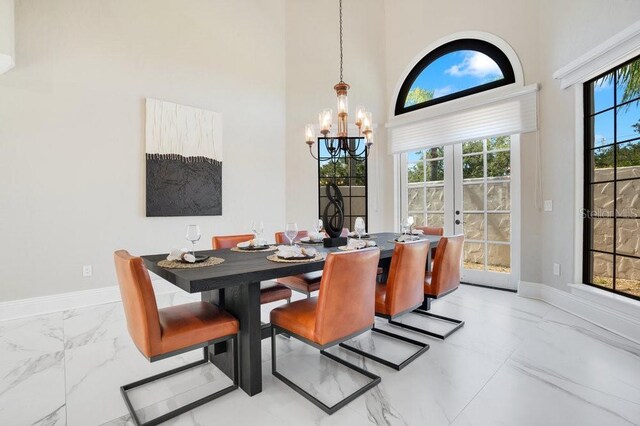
(401,198)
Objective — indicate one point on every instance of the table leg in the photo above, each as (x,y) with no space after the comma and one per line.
(426,304)
(243,302)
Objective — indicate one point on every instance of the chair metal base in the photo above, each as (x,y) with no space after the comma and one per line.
(423,348)
(459,324)
(188,407)
(327,409)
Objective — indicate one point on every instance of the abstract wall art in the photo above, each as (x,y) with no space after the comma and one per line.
(184,160)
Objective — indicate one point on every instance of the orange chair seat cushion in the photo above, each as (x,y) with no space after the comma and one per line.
(274,292)
(297,317)
(193,323)
(305,283)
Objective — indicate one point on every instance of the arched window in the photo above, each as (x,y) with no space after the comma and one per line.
(455,69)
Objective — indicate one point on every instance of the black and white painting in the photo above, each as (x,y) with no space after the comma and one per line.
(184,160)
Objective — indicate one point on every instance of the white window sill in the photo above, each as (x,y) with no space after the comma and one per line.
(614,301)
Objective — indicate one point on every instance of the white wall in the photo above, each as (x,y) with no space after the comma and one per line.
(568,29)
(7,45)
(312,71)
(72,167)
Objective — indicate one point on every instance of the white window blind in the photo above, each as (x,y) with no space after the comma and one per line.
(498,112)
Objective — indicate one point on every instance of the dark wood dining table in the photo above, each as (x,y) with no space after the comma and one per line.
(235,285)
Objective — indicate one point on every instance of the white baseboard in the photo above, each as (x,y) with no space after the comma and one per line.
(625,323)
(15,309)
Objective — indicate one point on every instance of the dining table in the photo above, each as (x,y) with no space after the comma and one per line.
(235,286)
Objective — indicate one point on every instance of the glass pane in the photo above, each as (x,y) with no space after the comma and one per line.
(437,152)
(416,199)
(358,206)
(435,198)
(451,73)
(602,199)
(415,156)
(628,237)
(473,226)
(499,227)
(499,164)
(435,219)
(472,147)
(435,170)
(473,196)
(602,129)
(418,218)
(628,203)
(356,191)
(628,122)
(602,90)
(602,267)
(628,275)
(501,142)
(602,164)
(628,160)
(498,196)
(415,172)
(473,255)
(627,86)
(472,166)
(602,234)
(499,258)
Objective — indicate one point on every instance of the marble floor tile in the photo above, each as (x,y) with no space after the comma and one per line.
(32,390)
(95,372)
(515,362)
(31,337)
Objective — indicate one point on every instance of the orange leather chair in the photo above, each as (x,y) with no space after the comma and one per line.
(303,283)
(430,230)
(401,293)
(344,308)
(161,333)
(269,292)
(444,279)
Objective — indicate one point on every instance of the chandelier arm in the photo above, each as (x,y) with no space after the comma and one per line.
(311,152)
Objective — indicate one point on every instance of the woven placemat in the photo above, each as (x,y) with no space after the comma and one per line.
(275,258)
(271,248)
(174,264)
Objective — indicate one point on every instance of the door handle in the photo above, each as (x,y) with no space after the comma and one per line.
(457,221)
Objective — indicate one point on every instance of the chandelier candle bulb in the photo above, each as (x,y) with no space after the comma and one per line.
(366,122)
(359,115)
(309,134)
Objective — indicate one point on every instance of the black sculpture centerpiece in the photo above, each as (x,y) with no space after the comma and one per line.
(334,223)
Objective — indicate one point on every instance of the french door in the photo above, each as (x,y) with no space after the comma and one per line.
(470,188)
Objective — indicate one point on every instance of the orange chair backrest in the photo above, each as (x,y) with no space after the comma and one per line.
(445,276)
(346,302)
(281,239)
(405,284)
(227,241)
(429,230)
(139,302)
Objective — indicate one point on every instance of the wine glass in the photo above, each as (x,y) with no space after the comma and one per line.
(193,235)
(359,227)
(290,231)
(317,226)
(257,226)
(410,222)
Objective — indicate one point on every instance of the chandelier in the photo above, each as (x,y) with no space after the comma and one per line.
(342,145)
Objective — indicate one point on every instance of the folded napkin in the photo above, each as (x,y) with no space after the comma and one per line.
(181,255)
(405,238)
(316,236)
(355,234)
(252,243)
(353,244)
(295,251)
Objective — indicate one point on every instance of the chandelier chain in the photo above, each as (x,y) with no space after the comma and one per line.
(341,41)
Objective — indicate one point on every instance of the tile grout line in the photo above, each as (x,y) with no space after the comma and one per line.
(488,380)
(64,358)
